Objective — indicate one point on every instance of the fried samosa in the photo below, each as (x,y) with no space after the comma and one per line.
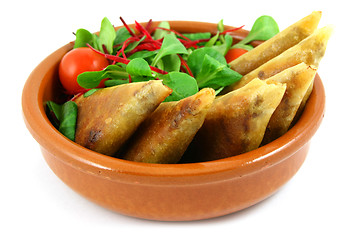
(108,117)
(277,44)
(298,80)
(237,121)
(303,103)
(165,135)
(310,51)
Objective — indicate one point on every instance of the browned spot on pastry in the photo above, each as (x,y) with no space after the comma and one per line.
(261,74)
(94,136)
(188,107)
(259,100)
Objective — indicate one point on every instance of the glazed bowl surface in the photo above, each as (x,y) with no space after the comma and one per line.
(168,192)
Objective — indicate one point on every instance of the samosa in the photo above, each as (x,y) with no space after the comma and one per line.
(237,121)
(165,135)
(277,44)
(310,51)
(108,117)
(298,79)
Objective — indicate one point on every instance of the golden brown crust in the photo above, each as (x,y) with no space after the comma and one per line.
(107,118)
(277,44)
(310,51)
(298,80)
(237,121)
(165,135)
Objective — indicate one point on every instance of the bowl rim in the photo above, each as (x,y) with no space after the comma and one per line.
(89,161)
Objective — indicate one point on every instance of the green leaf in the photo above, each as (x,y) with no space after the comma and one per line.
(107,35)
(95,42)
(92,79)
(66,116)
(160,33)
(219,90)
(196,58)
(143,54)
(170,45)
(68,119)
(197,36)
(224,47)
(264,28)
(138,67)
(91,92)
(221,28)
(170,63)
(182,84)
(115,72)
(121,35)
(133,45)
(111,83)
(215,74)
(83,37)
(212,40)
(139,70)
(55,108)
(247,47)
(215,39)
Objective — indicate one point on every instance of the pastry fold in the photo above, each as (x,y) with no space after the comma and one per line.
(237,121)
(108,117)
(298,80)
(277,44)
(165,135)
(310,51)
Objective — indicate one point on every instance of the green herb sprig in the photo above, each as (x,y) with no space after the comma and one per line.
(63,117)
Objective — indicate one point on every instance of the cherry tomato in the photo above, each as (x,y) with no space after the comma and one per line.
(234,53)
(77,61)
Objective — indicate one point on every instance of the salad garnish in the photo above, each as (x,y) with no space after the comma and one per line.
(166,51)
(185,62)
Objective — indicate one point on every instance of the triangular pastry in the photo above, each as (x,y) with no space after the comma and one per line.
(108,117)
(310,51)
(165,135)
(236,122)
(298,80)
(277,44)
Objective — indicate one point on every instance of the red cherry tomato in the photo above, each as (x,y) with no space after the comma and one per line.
(234,53)
(77,61)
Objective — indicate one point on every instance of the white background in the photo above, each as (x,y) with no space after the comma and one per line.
(320,202)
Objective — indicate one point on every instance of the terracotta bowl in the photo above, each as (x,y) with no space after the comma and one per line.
(170,192)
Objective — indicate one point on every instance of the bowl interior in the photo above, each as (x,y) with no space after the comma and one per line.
(43,85)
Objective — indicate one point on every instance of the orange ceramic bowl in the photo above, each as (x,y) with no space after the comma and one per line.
(170,192)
